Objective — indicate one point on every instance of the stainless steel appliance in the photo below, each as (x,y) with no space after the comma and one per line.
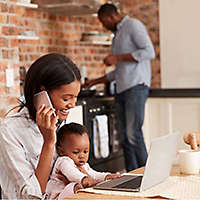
(94,107)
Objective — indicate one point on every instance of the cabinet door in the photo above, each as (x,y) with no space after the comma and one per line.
(168,115)
(154,122)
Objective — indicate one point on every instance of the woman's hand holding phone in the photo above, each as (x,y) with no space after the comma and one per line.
(45,117)
(46,122)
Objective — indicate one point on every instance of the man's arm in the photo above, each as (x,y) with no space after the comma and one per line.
(142,40)
(113,59)
(90,83)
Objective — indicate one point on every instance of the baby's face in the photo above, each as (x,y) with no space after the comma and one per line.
(77,148)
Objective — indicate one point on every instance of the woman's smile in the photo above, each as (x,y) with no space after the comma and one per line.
(64,112)
(64,98)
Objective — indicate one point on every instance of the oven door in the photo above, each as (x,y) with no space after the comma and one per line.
(99,117)
(106,152)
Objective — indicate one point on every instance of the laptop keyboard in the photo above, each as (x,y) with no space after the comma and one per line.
(131,184)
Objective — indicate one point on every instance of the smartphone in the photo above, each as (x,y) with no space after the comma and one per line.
(42,98)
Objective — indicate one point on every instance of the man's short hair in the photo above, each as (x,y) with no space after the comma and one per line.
(107,9)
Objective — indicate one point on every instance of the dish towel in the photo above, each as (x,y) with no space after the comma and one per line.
(96,143)
(101,136)
(102,121)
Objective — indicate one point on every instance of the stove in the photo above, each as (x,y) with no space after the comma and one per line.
(106,153)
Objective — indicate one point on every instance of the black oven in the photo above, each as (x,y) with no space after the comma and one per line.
(106,152)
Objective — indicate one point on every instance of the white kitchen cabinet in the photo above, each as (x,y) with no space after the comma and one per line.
(179,43)
(168,115)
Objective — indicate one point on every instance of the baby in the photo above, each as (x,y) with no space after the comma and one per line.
(71,166)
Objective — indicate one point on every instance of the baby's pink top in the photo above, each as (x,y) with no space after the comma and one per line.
(68,168)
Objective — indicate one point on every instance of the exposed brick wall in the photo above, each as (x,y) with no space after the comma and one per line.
(61,34)
(9,55)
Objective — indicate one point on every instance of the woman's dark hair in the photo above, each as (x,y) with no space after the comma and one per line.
(69,129)
(107,9)
(51,71)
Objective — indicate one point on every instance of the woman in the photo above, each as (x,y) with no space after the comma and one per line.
(28,137)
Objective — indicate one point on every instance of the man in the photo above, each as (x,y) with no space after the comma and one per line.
(132,51)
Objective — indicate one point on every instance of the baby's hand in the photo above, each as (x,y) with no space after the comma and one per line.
(77,187)
(112,176)
(87,181)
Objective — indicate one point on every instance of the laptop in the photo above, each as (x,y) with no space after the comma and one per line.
(161,155)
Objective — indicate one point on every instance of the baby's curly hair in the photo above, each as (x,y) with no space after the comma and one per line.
(66,129)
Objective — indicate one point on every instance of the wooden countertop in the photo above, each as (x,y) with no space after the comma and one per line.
(89,196)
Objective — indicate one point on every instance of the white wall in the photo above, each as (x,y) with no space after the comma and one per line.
(180,43)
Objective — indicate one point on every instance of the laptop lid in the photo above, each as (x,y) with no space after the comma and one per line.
(162,153)
(160,159)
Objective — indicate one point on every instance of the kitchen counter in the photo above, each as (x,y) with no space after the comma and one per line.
(175,92)
(154,93)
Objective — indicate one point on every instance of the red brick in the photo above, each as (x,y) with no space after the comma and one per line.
(155,85)
(3,18)
(13,90)
(13,42)
(23,58)
(5,53)
(19,10)
(7,30)
(11,8)
(14,20)
(62,18)
(3,7)
(2,90)
(34,57)
(3,66)
(29,41)
(13,100)
(52,17)
(3,42)
(30,13)
(2,78)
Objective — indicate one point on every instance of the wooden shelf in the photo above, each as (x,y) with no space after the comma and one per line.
(69,7)
(24,37)
(29,5)
(97,42)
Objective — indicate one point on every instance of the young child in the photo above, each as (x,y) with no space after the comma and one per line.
(71,166)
